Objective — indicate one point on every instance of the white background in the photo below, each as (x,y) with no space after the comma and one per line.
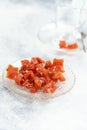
(19,24)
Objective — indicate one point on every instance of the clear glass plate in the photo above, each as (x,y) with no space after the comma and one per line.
(63,87)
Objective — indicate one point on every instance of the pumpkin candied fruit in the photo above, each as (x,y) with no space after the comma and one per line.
(33,89)
(19,79)
(72,46)
(27,84)
(50,87)
(62,44)
(48,64)
(40,70)
(58,62)
(25,63)
(11,72)
(29,75)
(31,66)
(38,82)
(37,60)
(37,75)
(58,76)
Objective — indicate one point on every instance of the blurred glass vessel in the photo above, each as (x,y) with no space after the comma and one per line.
(70,16)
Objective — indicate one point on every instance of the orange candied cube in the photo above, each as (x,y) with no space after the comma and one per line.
(48,64)
(40,70)
(72,46)
(60,76)
(62,44)
(29,75)
(24,62)
(33,89)
(11,72)
(58,62)
(19,79)
(27,84)
(36,60)
(50,87)
(38,82)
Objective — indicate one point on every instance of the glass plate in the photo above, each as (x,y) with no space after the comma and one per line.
(63,87)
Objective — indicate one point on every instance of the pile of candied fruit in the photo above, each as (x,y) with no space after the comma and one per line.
(37,75)
(63,44)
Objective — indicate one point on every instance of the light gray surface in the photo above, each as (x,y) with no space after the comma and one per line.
(19,25)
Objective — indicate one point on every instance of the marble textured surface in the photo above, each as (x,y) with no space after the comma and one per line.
(19,24)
